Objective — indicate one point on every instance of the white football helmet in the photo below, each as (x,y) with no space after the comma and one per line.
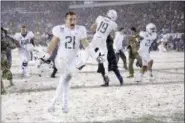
(151,28)
(112,14)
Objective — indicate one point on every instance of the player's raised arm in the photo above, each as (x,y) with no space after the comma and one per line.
(95,24)
(84,40)
(93,27)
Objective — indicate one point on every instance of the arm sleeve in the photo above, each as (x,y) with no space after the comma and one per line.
(115,27)
(56,31)
(98,19)
(16,36)
(142,34)
(32,35)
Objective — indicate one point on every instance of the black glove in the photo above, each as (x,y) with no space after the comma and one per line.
(45,61)
(3,30)
(100,58)
(129,47)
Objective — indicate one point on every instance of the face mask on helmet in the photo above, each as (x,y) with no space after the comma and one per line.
(151,28)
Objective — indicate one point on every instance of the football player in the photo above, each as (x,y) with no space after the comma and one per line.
(68,37)
(118,46)
(26,41)
(147,37)
(103,26)
(112,63)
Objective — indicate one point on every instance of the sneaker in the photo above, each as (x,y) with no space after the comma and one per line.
(54,73)
(27,75)
(51,109)
(11,83)
(65,109)
(3,91)
(130,76)
(105,85)
(139,78)
(106,80)
(150,76)
(121,82)
(125,67)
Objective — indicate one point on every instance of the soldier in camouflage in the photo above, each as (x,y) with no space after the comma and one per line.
(133,54)
(7,43)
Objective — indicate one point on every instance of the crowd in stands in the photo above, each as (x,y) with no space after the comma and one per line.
(42,16)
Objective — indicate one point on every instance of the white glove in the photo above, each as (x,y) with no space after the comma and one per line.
(81,60)
(41,52)
(100,58)
(91,52)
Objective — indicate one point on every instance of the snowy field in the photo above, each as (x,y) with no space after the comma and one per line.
(157,101)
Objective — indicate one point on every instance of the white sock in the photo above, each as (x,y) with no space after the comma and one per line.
(62,88)
(57,92)
(65,91)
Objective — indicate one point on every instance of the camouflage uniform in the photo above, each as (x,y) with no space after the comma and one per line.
(6,44)
(133,54)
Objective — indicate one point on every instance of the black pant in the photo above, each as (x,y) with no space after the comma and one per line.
(112,62)
(52,58)
(101,70)
(9,57)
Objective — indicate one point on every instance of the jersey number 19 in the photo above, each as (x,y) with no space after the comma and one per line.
(103,27)
(70,42)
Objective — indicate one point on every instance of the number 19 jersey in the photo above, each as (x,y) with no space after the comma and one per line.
(69,40)
(104,26)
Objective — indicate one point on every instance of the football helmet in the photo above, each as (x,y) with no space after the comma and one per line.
(151,28)
(112,14)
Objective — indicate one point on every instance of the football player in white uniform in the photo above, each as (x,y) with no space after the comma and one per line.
(147,37)
(161,44)
(26,41)
(102,28)
(68,37)
(118,46)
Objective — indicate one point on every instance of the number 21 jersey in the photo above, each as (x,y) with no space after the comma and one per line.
(69,39)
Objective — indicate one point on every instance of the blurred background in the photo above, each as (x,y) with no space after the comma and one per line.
(42,16)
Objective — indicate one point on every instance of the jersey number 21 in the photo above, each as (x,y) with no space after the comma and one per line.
(70,42)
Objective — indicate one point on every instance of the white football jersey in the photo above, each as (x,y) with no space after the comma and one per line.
(104,26)
(69,39)
(147,40)
(24,40)
(164,39)
(118,45)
